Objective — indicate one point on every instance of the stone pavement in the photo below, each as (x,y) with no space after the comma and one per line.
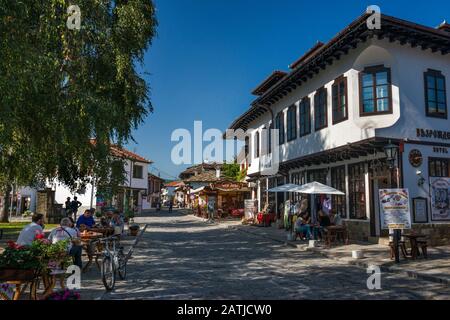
(182,257)
(436,268)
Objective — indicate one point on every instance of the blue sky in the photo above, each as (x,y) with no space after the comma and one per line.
(210,54)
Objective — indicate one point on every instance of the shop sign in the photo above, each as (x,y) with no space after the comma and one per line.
(440,150)
(227,186)
(394,209)
(440,198)
(436,134)
(250,208)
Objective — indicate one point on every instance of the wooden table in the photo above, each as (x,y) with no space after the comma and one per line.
(413,241)
(333,232)
(92,249)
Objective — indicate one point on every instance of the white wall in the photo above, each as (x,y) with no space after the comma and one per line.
(407,66)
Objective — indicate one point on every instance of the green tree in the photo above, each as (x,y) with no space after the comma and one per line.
(61,88)
(233,171)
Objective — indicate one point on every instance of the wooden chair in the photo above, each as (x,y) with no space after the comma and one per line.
(402,247)
(423,245)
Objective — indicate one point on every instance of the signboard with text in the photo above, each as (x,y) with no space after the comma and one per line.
(440,198)
(250,208)
(394,209)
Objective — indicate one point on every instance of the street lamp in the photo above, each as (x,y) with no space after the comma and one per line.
(391,151)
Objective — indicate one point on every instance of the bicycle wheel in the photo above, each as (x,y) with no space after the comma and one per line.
(122,266)
(108,273)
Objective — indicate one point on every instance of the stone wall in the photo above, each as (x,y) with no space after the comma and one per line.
(358,230)
(437,234)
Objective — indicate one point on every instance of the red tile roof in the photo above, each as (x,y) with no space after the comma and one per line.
(268,82)
(174,184)
(122,153)
(307,55)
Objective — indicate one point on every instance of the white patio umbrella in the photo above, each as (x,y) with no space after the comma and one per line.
(317,188)
(314,188)
(289,187)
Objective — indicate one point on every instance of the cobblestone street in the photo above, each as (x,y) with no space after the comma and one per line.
(182,257)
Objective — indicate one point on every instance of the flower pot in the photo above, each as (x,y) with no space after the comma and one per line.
(17,274)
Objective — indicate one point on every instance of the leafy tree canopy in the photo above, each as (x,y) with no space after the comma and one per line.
(60,88)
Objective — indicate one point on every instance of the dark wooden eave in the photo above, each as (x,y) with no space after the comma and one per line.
(274,77)
(393,29)
(347,152)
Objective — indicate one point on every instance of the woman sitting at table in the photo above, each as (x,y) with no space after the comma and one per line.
(324,222)
(117,222)
(302,226)
(66,231)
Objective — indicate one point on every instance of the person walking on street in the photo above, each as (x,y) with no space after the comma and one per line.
(170,206)
(74,205)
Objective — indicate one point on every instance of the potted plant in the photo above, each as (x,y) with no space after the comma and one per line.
(98,214)
(27,214)
(129,216)
(18,262)
(134,229)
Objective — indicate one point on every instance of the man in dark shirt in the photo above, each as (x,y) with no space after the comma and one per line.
(74,205)
(86,219)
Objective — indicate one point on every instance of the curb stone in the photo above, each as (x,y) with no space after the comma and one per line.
(364,264)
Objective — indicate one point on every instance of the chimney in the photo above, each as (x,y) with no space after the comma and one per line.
(218,172)
(444,26)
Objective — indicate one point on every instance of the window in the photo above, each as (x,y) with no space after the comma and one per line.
(298,178)
(292,123)
(269,139)
(438,167)
(435,97)
(357,191)
(279,124)
(305,117)
(375,91)
(247,146)
(319,175)
(338,182)
(320,109)
(263,137)
(137,172)
(257,145)
(339,93)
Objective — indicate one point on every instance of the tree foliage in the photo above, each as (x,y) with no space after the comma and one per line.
(60,88)
(233,171)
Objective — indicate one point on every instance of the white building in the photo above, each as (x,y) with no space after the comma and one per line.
(133,191)
(342,103)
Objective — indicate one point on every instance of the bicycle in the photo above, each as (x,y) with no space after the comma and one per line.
(114,262)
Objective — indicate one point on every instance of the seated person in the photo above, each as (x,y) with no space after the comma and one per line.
(303,227)
(324,222)
(86,221)
(30,231)
(117,221)
(66,231)
(335,219)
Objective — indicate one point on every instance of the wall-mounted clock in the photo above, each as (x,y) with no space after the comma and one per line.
(415,158)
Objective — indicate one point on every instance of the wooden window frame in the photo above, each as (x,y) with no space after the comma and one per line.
(291,129)
(257,142)
(279,119)
(316,106)
(436,74)
(432,159)
(373,70)
(336,84)
(337,175)
(352,201)
(135,171)
(308,113)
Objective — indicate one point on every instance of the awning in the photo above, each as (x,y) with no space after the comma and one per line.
(317,188)
(289,187)
(197,190)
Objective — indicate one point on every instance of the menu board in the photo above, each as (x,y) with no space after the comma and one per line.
(440,198)
(394,209)
(250,208)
